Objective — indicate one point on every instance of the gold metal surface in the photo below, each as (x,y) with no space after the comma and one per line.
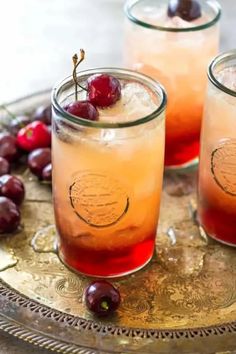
(182,302)
(190,283)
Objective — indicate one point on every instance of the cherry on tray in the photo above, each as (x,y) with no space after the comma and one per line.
(102,298)
(33,136)
(8,147)
(9,215)
(13,188)
(47,173)
(17,123)
(43,114)
(38,160)
(4,166)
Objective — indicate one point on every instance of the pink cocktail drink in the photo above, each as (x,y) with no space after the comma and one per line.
(217,169)
(175,52)
(107,177)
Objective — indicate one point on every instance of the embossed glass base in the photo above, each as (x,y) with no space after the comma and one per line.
(216,217)
(219,239)
(97,275)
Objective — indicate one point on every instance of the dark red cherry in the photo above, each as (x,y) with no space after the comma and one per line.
(8,147)
(103,90)
(4,166)
(12,188)
(47,173)
(102,298)
(43,114)
(38,159)
(9,215)
(82,109)
(17,123)
(188,10)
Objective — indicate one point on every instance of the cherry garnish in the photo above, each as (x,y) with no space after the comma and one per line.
(43,114)
(12,188)
(188,10)
(8,147)
(35,135)
(47,173)
(4,166)
(82,109)
(103,90)
(9,215)
(102,298)
(17,123)
(38,159)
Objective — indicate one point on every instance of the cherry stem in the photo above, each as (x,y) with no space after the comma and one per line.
(104,305)
(2,106)
(76,64)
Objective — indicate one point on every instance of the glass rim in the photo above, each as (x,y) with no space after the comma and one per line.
(218,60)
(129,4)
(156,87)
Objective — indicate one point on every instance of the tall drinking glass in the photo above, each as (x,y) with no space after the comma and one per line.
(107,176)
(217,169)
(175,52)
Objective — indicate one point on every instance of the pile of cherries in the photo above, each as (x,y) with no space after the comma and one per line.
(24,135)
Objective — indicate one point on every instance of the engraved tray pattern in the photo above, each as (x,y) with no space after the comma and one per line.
(183,301)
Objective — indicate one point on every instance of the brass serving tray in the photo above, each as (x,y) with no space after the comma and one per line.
(184,301)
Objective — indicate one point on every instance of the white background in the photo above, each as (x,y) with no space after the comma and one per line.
(38,38)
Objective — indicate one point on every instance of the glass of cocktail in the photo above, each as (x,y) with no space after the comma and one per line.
(217,169)
(173,41)
(107,175)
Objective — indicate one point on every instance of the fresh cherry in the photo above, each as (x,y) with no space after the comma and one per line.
(82,109)
(188,10)
(8,147)
(38,159)
(43,114)
(47,173)
(4,166)
(9,215)
(102,298)
(35,135)
(103,90)
(17,123)
(12,188)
